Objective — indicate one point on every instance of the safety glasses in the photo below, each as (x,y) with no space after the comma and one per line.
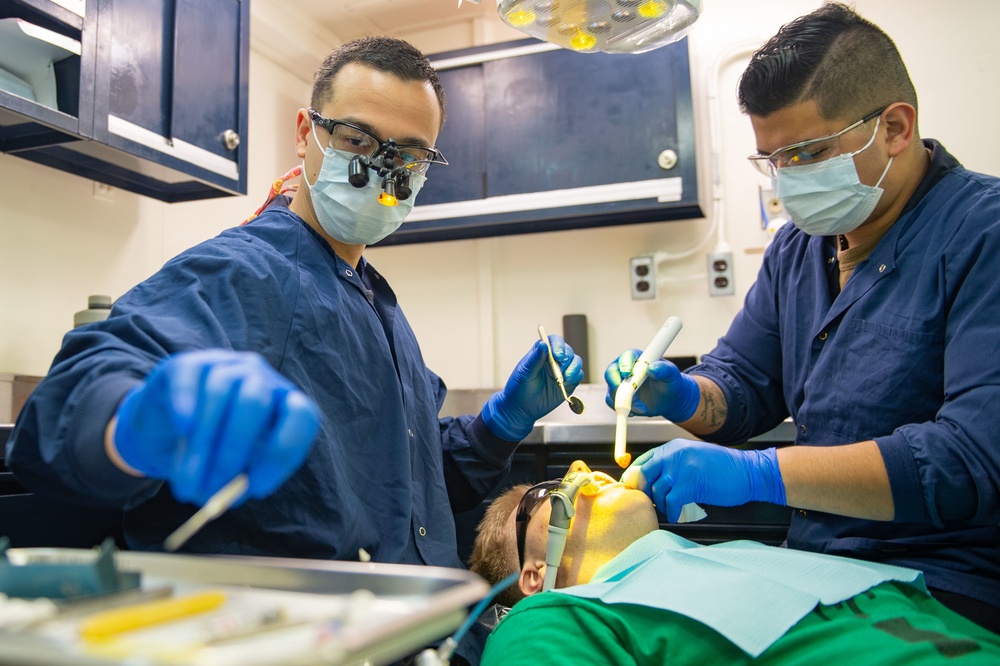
(807,152)
(353,139)
(529,501)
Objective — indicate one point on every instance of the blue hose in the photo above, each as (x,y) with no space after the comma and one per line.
(481,606)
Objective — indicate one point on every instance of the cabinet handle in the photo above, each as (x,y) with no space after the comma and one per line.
(230,139)
(667,159)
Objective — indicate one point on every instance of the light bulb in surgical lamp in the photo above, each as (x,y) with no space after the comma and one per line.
(612,26)
(581,41)
(653,9)
(387,199)
(519,17)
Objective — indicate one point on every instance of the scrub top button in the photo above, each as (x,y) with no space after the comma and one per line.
(423,531)
(410,432)
(349,272)
(822,336)
(803,512)
(803,428)
(881,269)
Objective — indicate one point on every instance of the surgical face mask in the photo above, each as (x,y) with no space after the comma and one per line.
(353,215)
(828,198)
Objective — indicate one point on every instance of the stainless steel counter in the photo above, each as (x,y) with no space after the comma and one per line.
(640,431)
(597,422)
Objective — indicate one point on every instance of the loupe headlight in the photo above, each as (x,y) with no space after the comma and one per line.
(388,196)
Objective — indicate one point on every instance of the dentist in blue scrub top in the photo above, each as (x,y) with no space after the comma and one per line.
(275,350)
(873,324)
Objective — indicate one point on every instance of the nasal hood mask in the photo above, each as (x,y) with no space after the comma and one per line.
(828,198)
(357,215)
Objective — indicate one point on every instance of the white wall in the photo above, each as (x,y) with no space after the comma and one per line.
(475,305)
(59,244)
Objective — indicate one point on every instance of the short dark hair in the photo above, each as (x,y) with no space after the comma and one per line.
(494,553)
(385,54)
(847,64)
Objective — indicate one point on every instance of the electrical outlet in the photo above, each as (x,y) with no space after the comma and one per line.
(642,274)
(720,274)
(104,192)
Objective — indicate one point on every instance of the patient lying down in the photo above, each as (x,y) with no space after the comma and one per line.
(627,592)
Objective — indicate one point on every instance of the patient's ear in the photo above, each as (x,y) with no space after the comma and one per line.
(532,578)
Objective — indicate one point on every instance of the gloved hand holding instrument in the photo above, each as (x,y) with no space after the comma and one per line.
(532,391)
(203,418)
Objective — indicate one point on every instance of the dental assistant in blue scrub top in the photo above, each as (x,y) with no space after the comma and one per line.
(275,350)
(874,323)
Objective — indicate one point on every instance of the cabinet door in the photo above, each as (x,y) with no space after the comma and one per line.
(139,62)
(157,90)
(545,139)
(463,141)
(173,88)
(208,83)
(561,120)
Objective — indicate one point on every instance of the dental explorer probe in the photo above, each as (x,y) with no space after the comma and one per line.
(574,402)
(216,505)
(629,385)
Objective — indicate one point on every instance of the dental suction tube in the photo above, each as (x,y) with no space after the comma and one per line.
(562,500)
(626,390)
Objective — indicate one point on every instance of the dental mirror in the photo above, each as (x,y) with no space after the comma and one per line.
(575,403)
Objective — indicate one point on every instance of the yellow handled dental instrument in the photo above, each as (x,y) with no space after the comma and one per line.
(574,402)
(110,623)
(623,396)
(216,505)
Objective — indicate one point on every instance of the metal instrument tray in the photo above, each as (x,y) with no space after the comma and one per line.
(405,608)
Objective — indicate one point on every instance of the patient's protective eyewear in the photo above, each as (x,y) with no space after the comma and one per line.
(526,507)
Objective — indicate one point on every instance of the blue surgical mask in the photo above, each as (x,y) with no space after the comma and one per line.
(353,215)
(828,198)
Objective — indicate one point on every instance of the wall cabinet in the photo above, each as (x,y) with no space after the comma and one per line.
(543,139)
(152,99)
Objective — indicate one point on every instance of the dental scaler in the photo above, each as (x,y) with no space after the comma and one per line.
(631,384)
(562,500)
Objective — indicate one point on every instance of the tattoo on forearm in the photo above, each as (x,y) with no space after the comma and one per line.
(714,411)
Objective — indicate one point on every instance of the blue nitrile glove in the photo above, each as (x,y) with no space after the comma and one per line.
(684,470)
(531,391)
(666,392)
(203,417)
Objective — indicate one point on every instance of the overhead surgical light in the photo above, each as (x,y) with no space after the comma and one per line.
(612,26)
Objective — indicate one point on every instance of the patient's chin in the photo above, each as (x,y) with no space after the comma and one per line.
(630,511)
